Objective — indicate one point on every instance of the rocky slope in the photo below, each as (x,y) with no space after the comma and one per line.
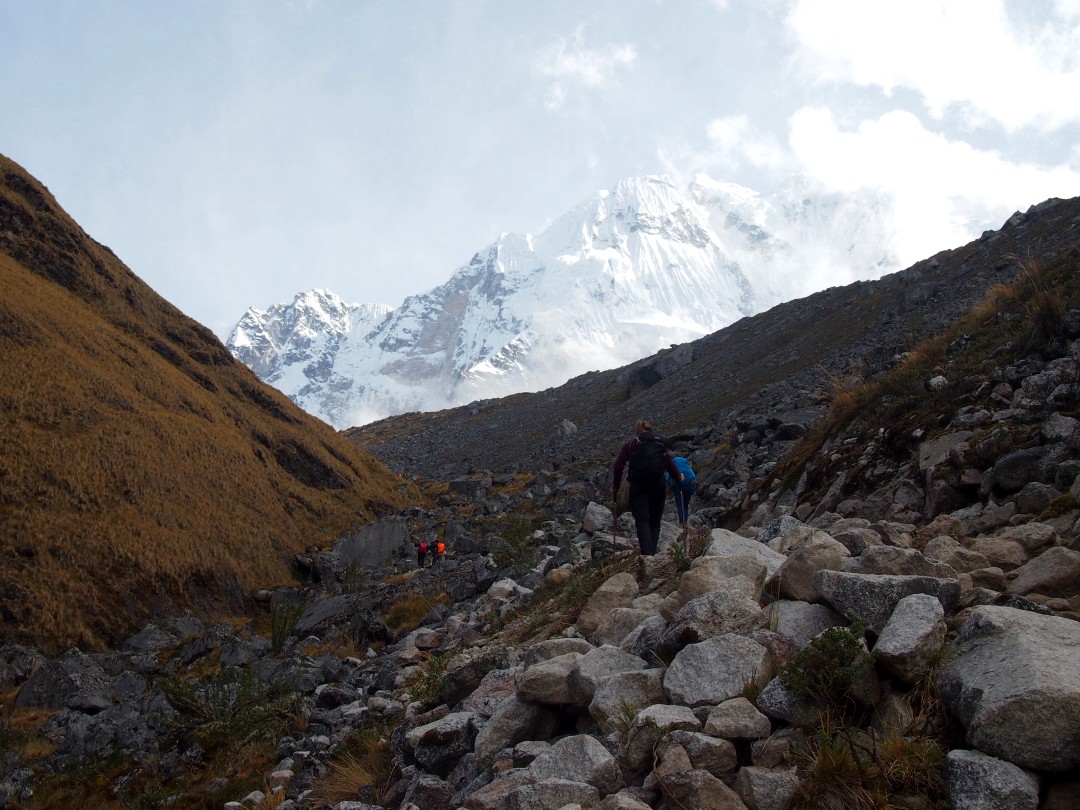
(773,366)
(915,630)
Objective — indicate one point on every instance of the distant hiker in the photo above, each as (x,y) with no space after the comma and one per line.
(682,491)
(648,458)
(421,553)
(440,549)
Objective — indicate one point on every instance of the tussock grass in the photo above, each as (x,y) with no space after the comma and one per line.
(405,615)
(142,470)
(363,770)
(1014,318)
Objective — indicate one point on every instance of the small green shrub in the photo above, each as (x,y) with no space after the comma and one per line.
(427,686)
(827,670)
(512,547)
(231,708)
(283,618)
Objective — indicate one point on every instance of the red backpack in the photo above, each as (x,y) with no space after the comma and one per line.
(423,548)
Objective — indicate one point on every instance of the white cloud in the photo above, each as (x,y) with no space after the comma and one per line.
(1010,69)
(940,186)
(574,66)
(735,142)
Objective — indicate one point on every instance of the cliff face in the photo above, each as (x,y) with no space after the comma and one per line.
(144,471)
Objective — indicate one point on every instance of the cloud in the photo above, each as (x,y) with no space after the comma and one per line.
(1012,69)
(735,143)
(942,188)
(575,67)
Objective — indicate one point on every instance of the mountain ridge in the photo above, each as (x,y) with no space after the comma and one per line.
(618,276)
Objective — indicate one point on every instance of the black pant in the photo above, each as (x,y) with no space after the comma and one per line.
(647,506)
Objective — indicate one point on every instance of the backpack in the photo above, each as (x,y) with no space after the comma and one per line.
(649,460)
(687,484)
(440,547)
(422,548)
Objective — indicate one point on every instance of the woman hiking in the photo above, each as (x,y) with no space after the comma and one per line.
(648,459)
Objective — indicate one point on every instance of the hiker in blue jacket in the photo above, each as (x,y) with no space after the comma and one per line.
(682,491)
(648,458)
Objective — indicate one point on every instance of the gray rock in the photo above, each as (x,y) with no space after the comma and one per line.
(548,681)
(715,670)
(873,597)
(580,759)
(709,615)
(618,591)
(554,647)
(513,722)
(801,621)
(795,578)
(897,561)
(1012,677)
(1013,471)
(438,746)
(780,703)
(737,719)
(725,543)
(701,790)
(594,666)
(912,638)
(552,794)
(17,664)
(55,683)
(619,698)
(619,624)
(1055,572)
(650,725)
(766,788)
(709,753)
(947,550)
(976,781)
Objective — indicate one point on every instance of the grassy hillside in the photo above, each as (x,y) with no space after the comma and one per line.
(142,470)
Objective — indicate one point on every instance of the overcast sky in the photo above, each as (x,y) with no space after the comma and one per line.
(234,153)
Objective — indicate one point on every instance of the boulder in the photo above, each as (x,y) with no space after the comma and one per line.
(898,561)
(618,591)
(801,621)
(795,578)
(766,788)
(1055,572)
(737,719)
(597,518)
(946,550)
(438,746)
(579,758)
(710,615)
(715,670)
(619,697)
(1012,677)
(913,637)
(709,753)
(976,781)
(725,543)
(552,794)
(74,676)
(649,727)
(873,597)
(548,681)
(619,624)
(589,669)
(514,721)
(701,790)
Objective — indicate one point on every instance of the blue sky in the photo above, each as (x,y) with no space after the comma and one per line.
(235,152)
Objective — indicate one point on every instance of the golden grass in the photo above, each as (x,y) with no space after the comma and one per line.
(142,470)
(405,615)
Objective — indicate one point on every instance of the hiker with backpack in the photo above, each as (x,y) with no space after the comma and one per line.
(648,458)
(421,553)
(682,491)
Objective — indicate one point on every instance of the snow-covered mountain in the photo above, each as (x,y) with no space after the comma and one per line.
(623,274)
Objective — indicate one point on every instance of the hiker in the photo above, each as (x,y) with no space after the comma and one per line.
(440,549)
(648,458)
(682,491)
(421,553)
